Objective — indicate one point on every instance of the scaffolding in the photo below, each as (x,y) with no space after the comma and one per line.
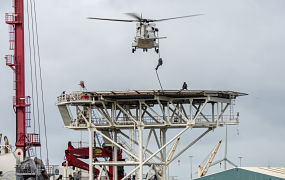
(137,122)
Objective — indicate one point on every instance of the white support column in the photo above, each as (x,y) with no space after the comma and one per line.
(140,129)
(164,152)
(191,111)
(222,113)
(91,140)
(168,113)
(115,152)
(218,111)
(115,157)
(213,112)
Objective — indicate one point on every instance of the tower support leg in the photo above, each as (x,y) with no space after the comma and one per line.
(115,157)
(141,155)
(163,138)
(91,140)
(140,128)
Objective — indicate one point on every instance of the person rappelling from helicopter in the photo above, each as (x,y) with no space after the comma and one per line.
(159,63)
(147,35)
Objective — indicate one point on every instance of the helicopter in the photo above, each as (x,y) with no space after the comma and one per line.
(146,31)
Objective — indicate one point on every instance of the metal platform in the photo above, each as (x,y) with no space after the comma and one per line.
(171,111)
(149,94)
(123,117)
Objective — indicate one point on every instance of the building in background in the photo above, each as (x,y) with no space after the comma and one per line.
(248,173)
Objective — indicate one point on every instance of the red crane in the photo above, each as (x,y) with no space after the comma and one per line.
(21,102)
(16,62)
(73,156)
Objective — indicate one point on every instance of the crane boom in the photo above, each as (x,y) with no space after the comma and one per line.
(204,170)
(170,155)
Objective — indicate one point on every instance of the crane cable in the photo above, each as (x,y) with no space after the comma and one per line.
(41,81)
(35,46)
(35,71)
(31,70)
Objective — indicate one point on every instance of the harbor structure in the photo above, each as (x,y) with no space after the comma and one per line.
(129,121)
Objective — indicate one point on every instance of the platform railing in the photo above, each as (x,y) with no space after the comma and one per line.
(73,97)
(176,119)
(155,120)
(10,18)
(21,101)
(10,60)
(50,169)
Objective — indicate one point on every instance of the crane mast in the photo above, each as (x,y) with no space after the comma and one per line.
(16,61)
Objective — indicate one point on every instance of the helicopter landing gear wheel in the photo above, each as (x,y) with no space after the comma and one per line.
(133,50)
(157,50)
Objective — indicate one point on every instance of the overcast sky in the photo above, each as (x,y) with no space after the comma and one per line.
(237,45)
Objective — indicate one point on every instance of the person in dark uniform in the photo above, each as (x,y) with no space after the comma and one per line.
(159,63)
(184,86)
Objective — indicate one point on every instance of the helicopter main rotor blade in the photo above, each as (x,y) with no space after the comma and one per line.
(106,19)
(134,15)
(157,20)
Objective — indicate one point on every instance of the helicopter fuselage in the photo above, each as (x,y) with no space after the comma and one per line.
(146,37)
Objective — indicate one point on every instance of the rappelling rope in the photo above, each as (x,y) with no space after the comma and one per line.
(157,69)
(159,80)
(41,81)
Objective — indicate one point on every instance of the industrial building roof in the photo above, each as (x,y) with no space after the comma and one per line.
(248,173)
(271,171)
